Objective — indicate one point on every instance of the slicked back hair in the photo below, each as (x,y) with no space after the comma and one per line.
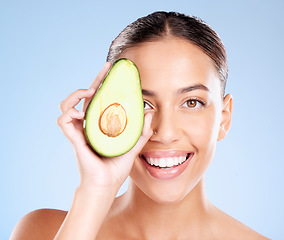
(160,25)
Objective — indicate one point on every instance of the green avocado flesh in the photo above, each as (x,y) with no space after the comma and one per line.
(114,118)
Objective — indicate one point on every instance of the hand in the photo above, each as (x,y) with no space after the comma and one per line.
(97,172)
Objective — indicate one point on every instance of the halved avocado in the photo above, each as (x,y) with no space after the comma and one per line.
(115,116)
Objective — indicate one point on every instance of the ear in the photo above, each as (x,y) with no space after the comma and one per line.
(226,118)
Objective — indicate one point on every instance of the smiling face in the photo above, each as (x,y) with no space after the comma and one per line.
(182,90)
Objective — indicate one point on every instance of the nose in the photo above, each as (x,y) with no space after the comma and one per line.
(165,127)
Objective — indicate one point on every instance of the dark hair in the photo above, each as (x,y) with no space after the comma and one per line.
(166,24)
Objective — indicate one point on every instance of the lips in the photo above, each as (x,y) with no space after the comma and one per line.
(166,165)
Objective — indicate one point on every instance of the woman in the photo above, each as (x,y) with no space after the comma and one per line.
(183,68)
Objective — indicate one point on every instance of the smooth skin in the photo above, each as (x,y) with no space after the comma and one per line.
(182,95)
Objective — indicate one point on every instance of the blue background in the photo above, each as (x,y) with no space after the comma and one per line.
(51,48)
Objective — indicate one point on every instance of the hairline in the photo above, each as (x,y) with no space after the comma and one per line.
(170,35)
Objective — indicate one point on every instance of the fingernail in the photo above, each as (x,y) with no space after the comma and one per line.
(81,114)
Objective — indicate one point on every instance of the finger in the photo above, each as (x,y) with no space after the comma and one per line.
(97,82)
(70,122)
(147,132)
(100,77)
(74,98)
(69,116)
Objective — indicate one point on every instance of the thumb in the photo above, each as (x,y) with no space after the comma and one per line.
(147,132)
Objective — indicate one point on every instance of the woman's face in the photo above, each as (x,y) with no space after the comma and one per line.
(182,91)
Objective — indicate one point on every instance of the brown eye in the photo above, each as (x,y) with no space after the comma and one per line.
(191,103)
(194,104)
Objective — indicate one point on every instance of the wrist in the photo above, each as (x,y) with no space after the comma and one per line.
(87,213)
(96,192)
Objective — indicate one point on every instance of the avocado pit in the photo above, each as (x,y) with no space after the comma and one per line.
(113,120)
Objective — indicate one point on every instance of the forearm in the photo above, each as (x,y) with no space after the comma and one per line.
(88,211)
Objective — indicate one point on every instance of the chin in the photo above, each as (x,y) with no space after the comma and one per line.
(168,199)
(167,192)
(155,187)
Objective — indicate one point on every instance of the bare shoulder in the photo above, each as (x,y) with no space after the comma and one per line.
(40,224)
(234,229)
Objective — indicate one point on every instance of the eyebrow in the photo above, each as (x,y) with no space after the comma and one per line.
(148,93)
(192,88)
(179,91)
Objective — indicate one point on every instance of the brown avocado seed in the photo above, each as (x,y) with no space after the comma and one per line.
(113,120)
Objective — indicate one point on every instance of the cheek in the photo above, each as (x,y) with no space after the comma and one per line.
(202,128)
(199,133)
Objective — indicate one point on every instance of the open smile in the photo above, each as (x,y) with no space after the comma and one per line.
(166,162)
(166,165)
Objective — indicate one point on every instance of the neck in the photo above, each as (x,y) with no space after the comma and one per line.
(166,221)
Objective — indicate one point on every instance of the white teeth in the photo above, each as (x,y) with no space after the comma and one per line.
(175,160)
(170,162)
(156,162)
(162,162)
(166,162)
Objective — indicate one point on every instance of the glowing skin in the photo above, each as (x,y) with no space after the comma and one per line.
(182,91)
(166,197)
